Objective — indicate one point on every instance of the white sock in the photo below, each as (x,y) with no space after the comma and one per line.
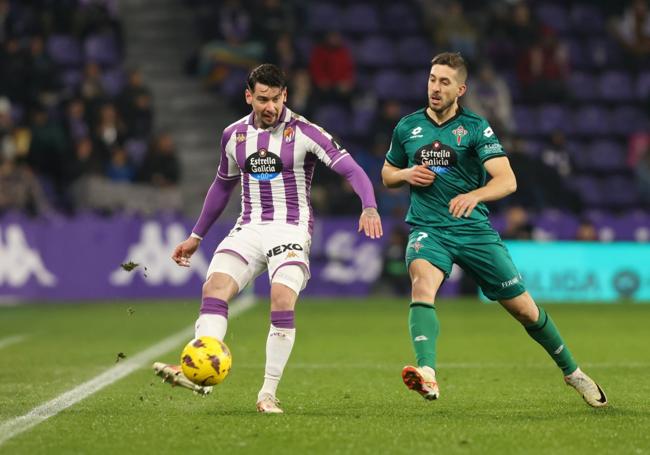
(211,325)
(278,350)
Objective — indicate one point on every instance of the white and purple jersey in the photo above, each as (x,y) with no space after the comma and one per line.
(275,167)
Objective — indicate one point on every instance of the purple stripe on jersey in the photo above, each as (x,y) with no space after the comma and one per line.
(290,185)
(240,153)
(320,139)
(266,194)
(223,160)
(310,164)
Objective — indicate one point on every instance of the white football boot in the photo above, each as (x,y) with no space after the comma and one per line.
(421,380)
(268,404)
(172,374)
(587,388)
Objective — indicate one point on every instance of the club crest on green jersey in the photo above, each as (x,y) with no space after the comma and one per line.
(459,132)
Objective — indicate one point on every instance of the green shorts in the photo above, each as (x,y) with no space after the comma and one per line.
(482,254)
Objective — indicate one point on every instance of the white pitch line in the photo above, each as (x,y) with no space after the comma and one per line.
(4,342)
(18,425)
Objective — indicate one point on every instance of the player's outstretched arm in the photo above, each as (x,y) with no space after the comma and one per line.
(503,183)
(214,204)
(418,175)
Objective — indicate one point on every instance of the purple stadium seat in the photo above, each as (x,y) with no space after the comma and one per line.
(400,17)
(113,81)
(558,224)
(390,84)
(577,54)
(643,85)
(64,50)
(335,119)
(589,190)
(413,51)
(592,120)
(233,85)
(102,49)
(417,87)
(360,18)
(554,16)
(587,18)
(604,52)
(17,113)
(553,117)
(628,119)
(631,226)
(375,51)
(605,155)
(362,121)
(616,86)
(525,120)
(620,192)
(322,16)
(582,86)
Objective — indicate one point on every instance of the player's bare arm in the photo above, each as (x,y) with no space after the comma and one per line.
(503,183)
(417,175)
(370,223)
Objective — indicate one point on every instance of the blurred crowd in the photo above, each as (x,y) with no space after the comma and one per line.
(71,115)
(565,85)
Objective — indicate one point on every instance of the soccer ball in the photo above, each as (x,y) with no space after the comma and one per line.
(206,361)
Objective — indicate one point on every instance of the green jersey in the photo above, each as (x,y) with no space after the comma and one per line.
(455,151)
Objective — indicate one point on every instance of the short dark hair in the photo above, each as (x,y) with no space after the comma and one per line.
(266,74)
(453,60)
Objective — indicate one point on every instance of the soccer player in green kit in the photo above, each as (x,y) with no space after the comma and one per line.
(444,153)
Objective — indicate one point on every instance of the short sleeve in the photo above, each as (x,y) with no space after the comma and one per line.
(228,168)
(487,144)
(396,154)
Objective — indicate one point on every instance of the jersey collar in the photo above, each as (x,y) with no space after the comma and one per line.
(459,111)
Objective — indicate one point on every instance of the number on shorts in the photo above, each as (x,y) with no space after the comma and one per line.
(422,235)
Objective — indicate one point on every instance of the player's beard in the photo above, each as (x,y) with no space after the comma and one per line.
(441,108)
(268,121)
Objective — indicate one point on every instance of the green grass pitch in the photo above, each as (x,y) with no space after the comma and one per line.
(341,392)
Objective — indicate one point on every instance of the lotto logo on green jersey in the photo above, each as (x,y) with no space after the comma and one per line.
(436,156)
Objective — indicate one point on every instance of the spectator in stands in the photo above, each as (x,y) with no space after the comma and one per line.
(161,166)
(48,147)
(108,130)
(136,106)
(271,18)
(300,92)
(20,189)
(556,155)
(633,30)
(14,72)
(42,73)
(283,52)
(518,226)
(332,68)
(489,96)
(586,231)
(75,121)
(543,69)
(453,30)
(119,168)
(84,162)
(91,88)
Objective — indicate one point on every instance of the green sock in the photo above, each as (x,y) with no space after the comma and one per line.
(424,329)
(546,333)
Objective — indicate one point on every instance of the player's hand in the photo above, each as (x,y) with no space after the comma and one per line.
(184,251)
(419,175)
(370,223)
(462,205)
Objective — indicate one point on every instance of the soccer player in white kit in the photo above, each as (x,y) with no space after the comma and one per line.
(272,152)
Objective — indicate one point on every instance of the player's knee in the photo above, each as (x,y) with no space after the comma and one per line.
(219,285)
(282,298)
(422,290)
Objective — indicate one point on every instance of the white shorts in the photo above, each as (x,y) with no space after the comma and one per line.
(262,247)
